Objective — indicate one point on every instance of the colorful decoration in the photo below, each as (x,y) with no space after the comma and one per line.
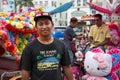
(87,17)
(16,30)
(115,36)
(113,10)
(7,45)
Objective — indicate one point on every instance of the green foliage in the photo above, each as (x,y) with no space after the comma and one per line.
(27,3)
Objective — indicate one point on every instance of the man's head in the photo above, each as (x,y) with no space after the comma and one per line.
(98,19)
(73,22)
(44,23)
(42,15)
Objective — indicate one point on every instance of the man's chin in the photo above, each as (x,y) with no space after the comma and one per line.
(45,35)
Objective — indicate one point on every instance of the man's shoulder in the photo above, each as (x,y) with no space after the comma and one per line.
(32,42)
(93,26)
(68,27)
(105,26)
(58,41)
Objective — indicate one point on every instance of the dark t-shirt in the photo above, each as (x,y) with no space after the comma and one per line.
(44,60)
(69,34)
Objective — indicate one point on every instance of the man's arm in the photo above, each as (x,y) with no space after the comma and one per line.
(68,72)
(79,36)
(102,43)
(25,75)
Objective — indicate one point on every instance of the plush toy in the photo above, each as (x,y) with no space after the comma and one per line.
(100,65)
(79,56)
(115,36)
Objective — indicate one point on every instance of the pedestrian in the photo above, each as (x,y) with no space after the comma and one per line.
(99,34)
(43,58)
(69,35)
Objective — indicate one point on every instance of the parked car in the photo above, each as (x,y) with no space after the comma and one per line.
(58,32)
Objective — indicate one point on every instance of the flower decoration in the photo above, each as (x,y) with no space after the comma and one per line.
(16,30)
(7,45)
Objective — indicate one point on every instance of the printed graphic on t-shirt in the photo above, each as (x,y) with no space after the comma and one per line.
(49,61)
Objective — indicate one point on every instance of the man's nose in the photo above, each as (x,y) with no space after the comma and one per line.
(44,26)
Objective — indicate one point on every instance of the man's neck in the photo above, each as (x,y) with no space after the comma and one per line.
(99,25)
(45,40)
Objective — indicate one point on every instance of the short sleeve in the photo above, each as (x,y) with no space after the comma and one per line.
(26,59)
(91,32)
(72,33)
(108,33)
(65,60)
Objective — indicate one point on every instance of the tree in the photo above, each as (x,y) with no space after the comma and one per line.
(21,3)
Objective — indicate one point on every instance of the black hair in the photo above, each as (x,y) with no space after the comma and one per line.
(98,15)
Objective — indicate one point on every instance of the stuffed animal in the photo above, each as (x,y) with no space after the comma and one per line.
(79,56)
(100,65)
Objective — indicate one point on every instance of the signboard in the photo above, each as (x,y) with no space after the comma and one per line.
(8,6)
(4,2)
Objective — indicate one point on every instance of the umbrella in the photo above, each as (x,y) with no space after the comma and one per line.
(62,8)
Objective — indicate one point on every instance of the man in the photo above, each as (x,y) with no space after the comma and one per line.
(43,57)
(99,34)
(69,34)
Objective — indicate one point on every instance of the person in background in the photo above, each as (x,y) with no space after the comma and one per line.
(43,57)
(69,35)
(99,34)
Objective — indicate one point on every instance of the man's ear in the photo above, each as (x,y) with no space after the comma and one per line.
(52,24)
(35,25)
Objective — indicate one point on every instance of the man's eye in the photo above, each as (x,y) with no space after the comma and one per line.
(98,68)
(40,24)
(47,23)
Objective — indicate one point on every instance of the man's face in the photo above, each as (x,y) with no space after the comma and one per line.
(44,27)
(98,21)
(74,24)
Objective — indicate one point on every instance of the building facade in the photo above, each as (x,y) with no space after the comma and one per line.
(78,9)
(7,6)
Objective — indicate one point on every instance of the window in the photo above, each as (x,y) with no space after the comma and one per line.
(41,3)
(46,3)
(84,2)
(52,3)
(55,4)
(78,2)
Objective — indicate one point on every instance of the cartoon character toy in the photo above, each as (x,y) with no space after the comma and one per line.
(100,65)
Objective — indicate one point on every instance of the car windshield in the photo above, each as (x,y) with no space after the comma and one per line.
(60,29)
